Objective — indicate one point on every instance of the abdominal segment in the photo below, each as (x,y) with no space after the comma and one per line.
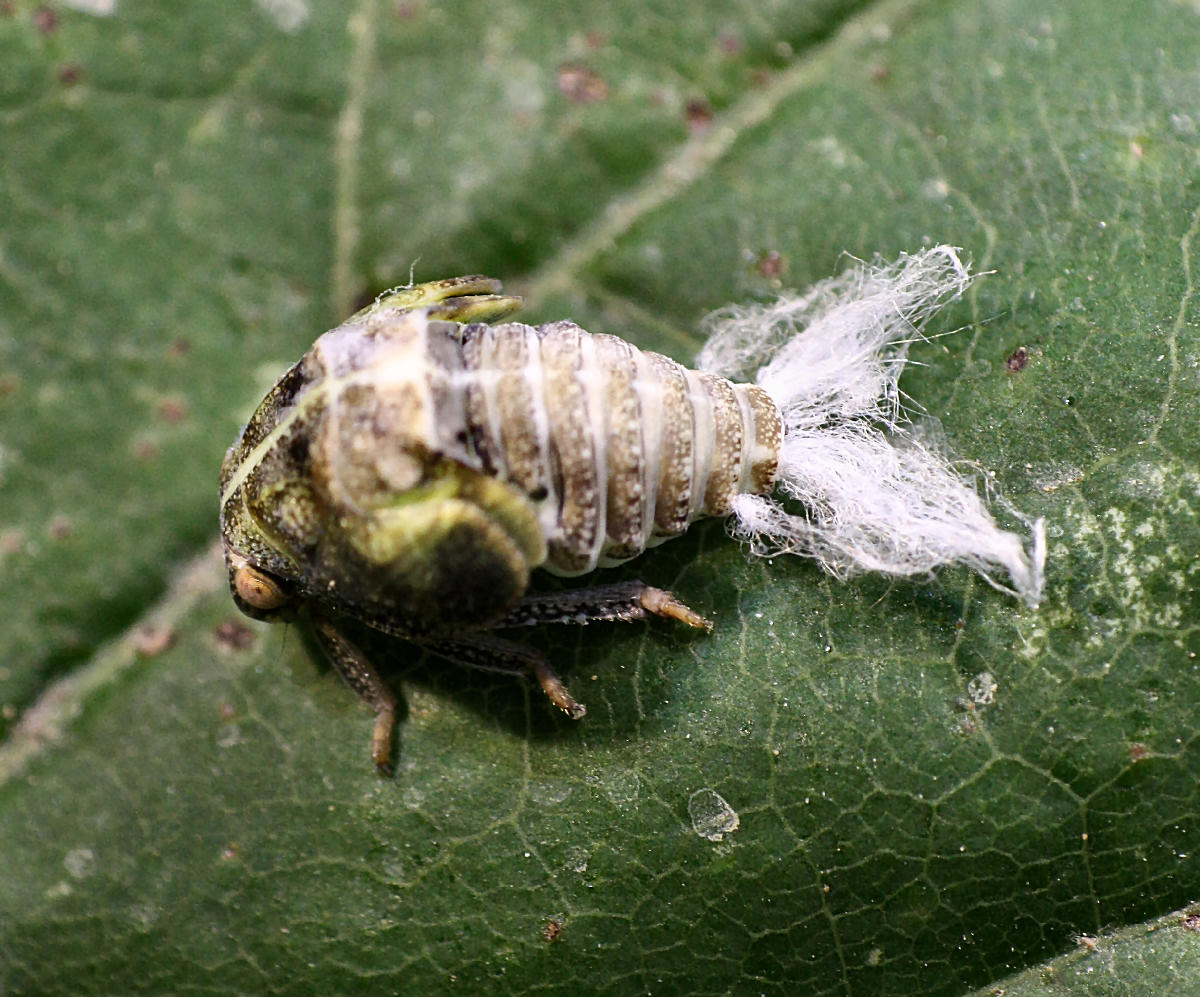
(618,448)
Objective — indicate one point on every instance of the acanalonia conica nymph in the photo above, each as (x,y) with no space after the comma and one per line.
(415,468)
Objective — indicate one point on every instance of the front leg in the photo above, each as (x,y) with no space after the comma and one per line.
(353,666)
(620,601)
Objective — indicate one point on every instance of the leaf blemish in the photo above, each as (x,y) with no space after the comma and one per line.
(288,15)
(234,636)
(982,689)
(581,85)
(711,816)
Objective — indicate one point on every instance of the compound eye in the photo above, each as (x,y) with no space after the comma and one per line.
(257,590)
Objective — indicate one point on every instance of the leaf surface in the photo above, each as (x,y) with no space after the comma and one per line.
(870,787)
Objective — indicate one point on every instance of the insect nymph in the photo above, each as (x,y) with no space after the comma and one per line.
(419,463)
(414,468)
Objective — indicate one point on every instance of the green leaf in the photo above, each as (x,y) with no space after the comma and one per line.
(189,194)
(1158,957)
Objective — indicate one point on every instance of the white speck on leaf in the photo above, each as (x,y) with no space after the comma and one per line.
(289,15)
(230,736)
(79,862)
(621,786)
(711,816)
(98,8)
(982,689)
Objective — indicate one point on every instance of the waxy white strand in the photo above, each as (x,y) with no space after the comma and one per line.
(875,496)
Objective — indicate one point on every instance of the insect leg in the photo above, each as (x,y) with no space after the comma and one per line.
(490,654)
(624,601)
(352,665)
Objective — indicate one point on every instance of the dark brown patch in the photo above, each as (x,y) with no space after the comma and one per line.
(880,73)
(1018,360)
(70,73)
(180,348)
(1137,752)
(581,85)
(1191,921)
(553,929)
(699,114)
(234,636)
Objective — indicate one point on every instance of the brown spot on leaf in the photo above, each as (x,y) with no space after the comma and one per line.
(45,19)
(173,409)
(150,641)
(145,450)
(9,383)
(1138,751)
(581,85)
(880,73)
(553,929)
(699,114)
(234,636)
(180,348)
(70,73)
(1191,921)
(11,542)
(595,39)
(227,711)
(772,264)
(60,527)
(1018,360)
(730,43)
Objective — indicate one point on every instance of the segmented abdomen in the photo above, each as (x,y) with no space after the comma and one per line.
(620,449)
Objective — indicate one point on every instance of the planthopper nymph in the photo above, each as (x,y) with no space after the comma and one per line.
(424,458)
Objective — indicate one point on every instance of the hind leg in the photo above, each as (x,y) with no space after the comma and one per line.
(621,601)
